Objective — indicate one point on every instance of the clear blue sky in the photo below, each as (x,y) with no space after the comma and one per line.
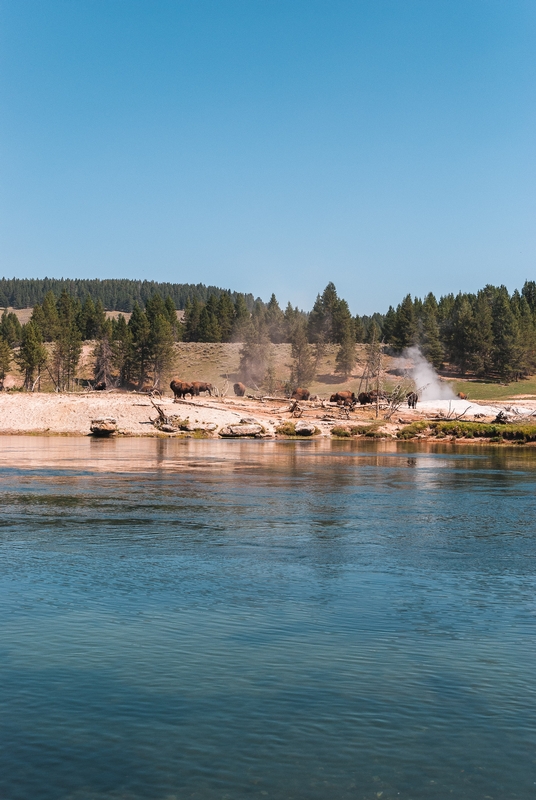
(271,145)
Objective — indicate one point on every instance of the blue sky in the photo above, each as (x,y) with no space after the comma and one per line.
(270,146)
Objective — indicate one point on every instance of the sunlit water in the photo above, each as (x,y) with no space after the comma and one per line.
(189,619)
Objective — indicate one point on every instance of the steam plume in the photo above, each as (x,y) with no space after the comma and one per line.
(427,381)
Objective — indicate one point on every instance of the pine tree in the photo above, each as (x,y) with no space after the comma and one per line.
(103,362)
(346,356)
(121,343)
(481,345)
(161,347)
(242,326)
(6,355)
(140,331)
(225,314)
(67,341)
(32,355)
(192,313)
(429,334)
(209,328)
(461,333)
(50,318)
(275,320)
(506,346)
(303,365)
(405,327)
(359,328)
(10,328)
(293,319)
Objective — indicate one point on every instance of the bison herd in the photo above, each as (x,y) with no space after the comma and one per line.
(182,388)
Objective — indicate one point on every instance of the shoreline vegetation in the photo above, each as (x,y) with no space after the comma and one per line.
(136,415)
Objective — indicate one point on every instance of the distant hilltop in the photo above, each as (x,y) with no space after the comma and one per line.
(115,294)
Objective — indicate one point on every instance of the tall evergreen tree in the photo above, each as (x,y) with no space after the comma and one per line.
(405,330)
(346,356)
(67,341)
(303,363)
(161,348)
(225,314)
(506,349)
(32,355)
(140,331)
(121,343)
(242,325)
(10,328)
(192,314)
(6,355)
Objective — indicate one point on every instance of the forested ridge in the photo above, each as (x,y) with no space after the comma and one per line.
(491,333)
(115,294)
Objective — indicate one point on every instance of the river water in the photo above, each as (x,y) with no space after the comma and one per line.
(200,619)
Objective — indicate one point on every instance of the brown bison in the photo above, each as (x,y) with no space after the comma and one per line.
(463,396)
(342,398)
(239,389)
(100,387)
(365,398)
(199,386)
(301,394)
(180,389)
(412,398)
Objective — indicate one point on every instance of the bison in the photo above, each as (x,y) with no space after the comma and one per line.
(365,398)
(412,398)
(199,386)
(342,398)
(180,389)
(301,394)
(100,387)
(463,396)
(239,389)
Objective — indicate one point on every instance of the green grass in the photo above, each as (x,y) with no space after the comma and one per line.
(481,390)
(471,430)
(345,432)
(288,428)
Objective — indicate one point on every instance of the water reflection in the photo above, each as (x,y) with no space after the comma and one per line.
(268,619)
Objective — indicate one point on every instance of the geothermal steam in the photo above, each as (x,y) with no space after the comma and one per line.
(427,381)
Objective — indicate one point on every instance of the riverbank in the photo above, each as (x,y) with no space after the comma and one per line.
(71,414)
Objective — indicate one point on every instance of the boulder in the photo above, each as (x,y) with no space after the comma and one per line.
(103,427)
(304,428)
(200,426)
(233,431)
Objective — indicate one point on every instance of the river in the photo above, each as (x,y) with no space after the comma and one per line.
(307,620)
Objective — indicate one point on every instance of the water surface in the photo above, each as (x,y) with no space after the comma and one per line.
(266,620)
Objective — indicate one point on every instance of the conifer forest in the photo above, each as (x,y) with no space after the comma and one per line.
(489,334)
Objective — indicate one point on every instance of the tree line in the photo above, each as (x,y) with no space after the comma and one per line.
(116,294)
(490,334)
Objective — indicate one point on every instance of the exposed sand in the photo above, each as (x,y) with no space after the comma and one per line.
(22,412)
(51,413)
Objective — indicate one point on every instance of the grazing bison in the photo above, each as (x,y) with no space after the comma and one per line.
(365,398)
(463,396)
(180,389)
(301,394)
(412,398)
(100,387)
(239,389)
(199,386)
(342,398)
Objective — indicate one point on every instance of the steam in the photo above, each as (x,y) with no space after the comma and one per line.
(427,381)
